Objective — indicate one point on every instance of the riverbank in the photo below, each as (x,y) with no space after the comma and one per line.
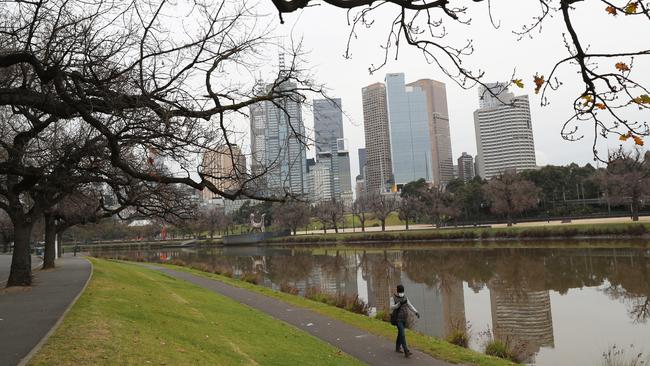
(132,315)
(435,347)
(618,231)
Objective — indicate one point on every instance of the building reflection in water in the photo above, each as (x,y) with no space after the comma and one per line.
(519,281)
(521,318)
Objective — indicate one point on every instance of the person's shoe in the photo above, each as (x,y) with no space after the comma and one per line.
(407,354)
(399,350)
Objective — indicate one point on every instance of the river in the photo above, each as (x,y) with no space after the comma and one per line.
(554,306)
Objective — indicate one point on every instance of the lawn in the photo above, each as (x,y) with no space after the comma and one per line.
(431,345)
(131,315)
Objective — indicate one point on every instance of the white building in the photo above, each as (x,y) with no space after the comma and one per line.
(504,132)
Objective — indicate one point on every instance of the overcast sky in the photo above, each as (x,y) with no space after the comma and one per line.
(324,31)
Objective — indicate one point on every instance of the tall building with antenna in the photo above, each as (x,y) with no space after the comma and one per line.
(278,141)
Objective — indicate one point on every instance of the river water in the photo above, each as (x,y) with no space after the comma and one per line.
(554,306)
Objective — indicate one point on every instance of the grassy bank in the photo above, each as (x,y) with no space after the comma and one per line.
(431,345)
(480,234)
(131,315)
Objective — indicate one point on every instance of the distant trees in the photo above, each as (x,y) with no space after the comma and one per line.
(6,231)
(510,194)
(361,208)
(330,213)
(628,179)
(291,214)
(381,205)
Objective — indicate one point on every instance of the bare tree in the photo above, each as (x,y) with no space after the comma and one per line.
(609,88)
(438,205)
(330,213)
(628,177)
(409,208)
(361,208)
(291,214)
(6,231)
(381,206)
(139,91)
(510,194)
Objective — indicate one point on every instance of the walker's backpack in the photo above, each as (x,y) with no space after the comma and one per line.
(394,315)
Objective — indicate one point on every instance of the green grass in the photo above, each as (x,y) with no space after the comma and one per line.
(431,345)
(391,220)
(131,315)
(615,230)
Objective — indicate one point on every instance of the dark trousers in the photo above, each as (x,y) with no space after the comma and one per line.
(401,337)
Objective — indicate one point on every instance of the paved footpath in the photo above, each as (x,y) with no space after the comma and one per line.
(371,349)
(28,314)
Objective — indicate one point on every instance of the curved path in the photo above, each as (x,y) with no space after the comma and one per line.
(368,348)
(28,315)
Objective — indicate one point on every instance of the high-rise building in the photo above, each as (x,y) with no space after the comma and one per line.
(409,131)
(362,162)
(375,125)
(277,146)
(320,182)
(439,134)
(225,167)
(465,167)
(504,132)
(328,123)
(331,147)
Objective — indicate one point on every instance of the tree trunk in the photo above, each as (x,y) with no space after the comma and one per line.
(363,225)
(336,228)
(21,260)
(50,242)
(407,223)
(324,229)
(509,219)
(635,210)
(383,225)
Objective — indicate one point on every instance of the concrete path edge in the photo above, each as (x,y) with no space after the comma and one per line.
(56,325)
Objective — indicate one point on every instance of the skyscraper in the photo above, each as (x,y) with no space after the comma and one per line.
(504,133)
(409,131)
(328,123)
(439,134)
(362,162)
(331,147)
(375,125)
(277,145)
(466,167)
(224,166)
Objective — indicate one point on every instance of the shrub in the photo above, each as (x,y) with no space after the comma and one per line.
(383,315)
(250,278)
(498,349)
(285,287)
(459,338)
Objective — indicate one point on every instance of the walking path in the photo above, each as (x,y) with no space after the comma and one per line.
(29,314)
(371,349)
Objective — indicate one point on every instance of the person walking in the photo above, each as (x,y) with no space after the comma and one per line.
(399,306)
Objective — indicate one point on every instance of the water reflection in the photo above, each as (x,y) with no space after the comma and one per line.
(519,282)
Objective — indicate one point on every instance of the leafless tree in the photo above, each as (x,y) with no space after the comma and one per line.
(6,231)
(409,208)
(141,84)
(291,214)
(330,213)
(628,177)
(438,205)
(361,209)
(381,205)
(610,89)
(510,194)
